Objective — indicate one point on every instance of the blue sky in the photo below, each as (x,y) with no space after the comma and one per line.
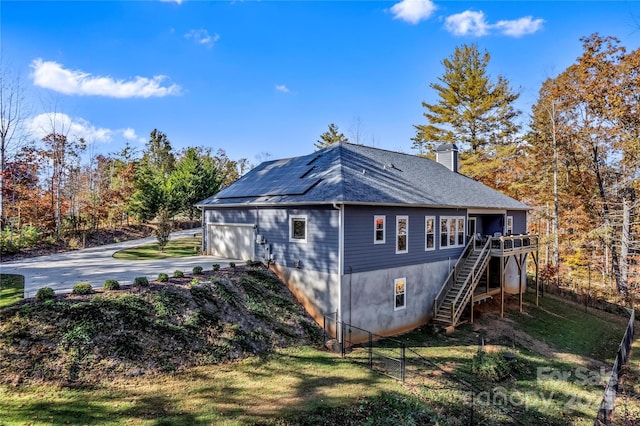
(256,77)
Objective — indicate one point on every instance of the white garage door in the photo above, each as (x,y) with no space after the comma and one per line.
(231,241)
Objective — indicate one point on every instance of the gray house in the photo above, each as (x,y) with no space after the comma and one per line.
(383,240)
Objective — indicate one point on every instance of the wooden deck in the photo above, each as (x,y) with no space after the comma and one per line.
(513,245)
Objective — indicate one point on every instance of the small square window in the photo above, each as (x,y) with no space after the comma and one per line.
(400,292)
(509,225)
(298,229)
(379,229)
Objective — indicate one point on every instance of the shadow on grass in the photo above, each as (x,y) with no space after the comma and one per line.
(11,289)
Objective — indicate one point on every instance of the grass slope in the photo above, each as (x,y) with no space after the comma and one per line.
(161,356)
(163,328)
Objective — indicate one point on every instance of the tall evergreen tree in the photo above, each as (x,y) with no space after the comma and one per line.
(473,111)
(331,136)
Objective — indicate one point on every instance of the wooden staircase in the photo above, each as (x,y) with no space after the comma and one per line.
(460,284)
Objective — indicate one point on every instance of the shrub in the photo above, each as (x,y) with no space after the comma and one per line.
(197,270)
(178,273)
(194,281)
(111,285)
(141,282)
(163,278)
(45,293)
(232,265)
(82,288)
(216,267)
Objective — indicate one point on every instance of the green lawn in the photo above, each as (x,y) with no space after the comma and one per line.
(253,391)
(560,352)
(183,247)
(11,289)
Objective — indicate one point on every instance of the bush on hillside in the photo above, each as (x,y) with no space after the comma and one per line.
(141,282)
(82,288)
(45,293)
(111,285)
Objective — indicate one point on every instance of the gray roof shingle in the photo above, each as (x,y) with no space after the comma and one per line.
(358,174)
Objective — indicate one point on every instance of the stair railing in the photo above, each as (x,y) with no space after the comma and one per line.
(469,285)
(451,278)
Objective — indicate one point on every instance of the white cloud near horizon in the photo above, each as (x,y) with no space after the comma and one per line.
(203,37)
(52,75)
(43,124)
(475,24)
(172,1)
(413,11)
(282,88)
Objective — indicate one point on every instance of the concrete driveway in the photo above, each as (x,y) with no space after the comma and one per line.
(95,265)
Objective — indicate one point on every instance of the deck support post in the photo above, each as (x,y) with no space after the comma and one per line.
(502,287)
(520,265)
(535,259)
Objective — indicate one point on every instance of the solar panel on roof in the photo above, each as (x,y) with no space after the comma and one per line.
(283,177)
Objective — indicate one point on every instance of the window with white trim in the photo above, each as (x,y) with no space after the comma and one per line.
(509,225)
(451,231)
(400,293)
(429,233)
(379,235)
(402,234)
(298,228)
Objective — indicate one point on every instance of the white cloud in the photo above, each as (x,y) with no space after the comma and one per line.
(519,27)
(413,11)
(172,1)
(282,88)
(475,24)
(467,22)
(202,36)
(54,76)
(76,128)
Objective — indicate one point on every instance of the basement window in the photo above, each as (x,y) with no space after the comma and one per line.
(400,292)
(298,228)
(379,229)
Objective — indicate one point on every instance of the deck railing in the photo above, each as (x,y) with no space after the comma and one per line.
(501,246)
(469,285)
(451,278)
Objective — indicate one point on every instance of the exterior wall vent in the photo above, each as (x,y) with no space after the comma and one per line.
(447,155)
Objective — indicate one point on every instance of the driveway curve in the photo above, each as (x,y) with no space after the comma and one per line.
(95,265)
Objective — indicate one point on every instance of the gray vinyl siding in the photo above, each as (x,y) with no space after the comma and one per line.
(361,254)
(519,221)
(319,253)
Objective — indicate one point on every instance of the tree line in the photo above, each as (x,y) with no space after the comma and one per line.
(48,193)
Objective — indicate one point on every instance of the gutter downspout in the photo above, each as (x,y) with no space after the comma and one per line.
(340,255)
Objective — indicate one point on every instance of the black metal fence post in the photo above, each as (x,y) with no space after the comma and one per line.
(370,351)
(402,361)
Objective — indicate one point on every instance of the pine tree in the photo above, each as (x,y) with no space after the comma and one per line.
(476,113)
(330,137)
